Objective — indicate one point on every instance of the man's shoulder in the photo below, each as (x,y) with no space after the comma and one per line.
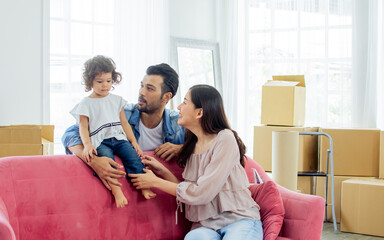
(130,107)
(132,113)
(172,114)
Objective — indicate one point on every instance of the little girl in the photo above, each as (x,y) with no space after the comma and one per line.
(104,129)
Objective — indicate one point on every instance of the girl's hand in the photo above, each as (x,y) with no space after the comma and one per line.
(152,164)
(88,152)
(139,152)
(144,180)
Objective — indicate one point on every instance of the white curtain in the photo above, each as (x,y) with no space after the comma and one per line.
(380,64)
(227,35)
(135,34)
(141,40)
(368,62)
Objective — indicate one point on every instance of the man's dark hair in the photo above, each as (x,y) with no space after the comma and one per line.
(170,77)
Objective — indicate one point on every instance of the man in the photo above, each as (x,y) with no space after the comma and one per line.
(154,127)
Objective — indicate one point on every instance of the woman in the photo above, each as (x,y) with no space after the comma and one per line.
(215,187)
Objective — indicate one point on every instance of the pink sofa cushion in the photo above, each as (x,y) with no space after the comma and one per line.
(271,208)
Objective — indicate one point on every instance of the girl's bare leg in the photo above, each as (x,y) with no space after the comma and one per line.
(120,199)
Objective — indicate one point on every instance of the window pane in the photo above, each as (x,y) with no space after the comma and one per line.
(58,71)
(311,14)
(339,109)
(260,15)
(81,39)
(104,41)
(340,76)
(58,8)
(259,46)
(340,12)
(286,68)
(286,14)
(316,89)
(81,10)
(59,37)
(340,43)
(195,67)
(312,44)
(104,11)
(286,45)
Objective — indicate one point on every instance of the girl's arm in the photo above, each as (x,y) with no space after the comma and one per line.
(128,131)
(89,149)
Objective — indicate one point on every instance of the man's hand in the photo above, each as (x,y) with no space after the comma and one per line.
(107,174)
(167,151)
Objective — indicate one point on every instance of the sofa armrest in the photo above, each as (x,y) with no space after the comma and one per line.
(304,215)
(6,231)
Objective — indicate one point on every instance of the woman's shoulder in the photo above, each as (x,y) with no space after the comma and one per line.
(226,133)
(226,136)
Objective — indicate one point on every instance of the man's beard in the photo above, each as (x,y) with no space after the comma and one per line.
(148,108)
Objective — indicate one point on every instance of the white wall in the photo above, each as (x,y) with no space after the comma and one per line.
(194,19)
(21,61)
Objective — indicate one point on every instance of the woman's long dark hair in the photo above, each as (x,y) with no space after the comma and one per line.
(213,120)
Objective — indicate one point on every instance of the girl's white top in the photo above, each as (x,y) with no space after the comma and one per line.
(104,117)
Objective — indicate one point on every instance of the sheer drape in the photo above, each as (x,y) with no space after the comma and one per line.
(228,42)
(368,59)
(135,34)
(142,39)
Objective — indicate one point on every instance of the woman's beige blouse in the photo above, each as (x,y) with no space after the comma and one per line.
(215,187)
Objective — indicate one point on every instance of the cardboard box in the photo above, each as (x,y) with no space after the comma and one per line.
(308,147)
(26,140)
(305,184)
(381,161)
(362,207)
(283,101)
(320,191)
(355,152)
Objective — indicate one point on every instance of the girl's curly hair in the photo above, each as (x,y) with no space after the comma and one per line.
(97,65)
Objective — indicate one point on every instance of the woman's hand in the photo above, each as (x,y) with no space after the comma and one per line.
(152,164)
(144,180)
(88,152)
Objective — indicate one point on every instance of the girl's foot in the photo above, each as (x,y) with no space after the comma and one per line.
(148,194)
(120,199)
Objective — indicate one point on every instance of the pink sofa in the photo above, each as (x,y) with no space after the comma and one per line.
(57,197)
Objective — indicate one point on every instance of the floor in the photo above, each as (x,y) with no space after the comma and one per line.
(328,234)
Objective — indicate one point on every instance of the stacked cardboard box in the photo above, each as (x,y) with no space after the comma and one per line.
(26,140)
(308,147)
(320,191)
(362,206)
(381,155)
(283,109)
(355,157)
(283,101)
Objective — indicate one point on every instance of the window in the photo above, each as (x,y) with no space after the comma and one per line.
(292,37)
(133,33)
(79,29)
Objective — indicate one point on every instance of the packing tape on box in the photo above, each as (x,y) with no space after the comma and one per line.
(285,155)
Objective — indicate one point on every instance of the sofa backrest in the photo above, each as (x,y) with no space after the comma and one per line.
(57,197)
